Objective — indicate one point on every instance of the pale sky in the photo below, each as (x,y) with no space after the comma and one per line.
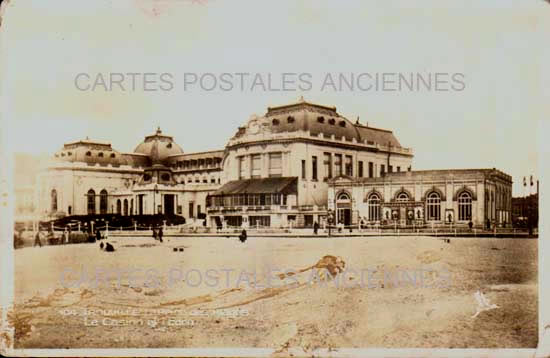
(500,46)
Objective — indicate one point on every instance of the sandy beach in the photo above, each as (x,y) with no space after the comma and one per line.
(218,292)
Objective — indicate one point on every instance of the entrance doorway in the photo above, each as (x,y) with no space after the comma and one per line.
(140,204)
(343,209)
(169,204)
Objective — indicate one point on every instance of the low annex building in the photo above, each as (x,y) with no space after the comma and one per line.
(423,197)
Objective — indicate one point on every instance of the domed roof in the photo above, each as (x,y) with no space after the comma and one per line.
(318,120)
(158,147)
(91,152)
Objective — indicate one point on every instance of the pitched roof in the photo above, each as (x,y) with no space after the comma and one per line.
(284,185)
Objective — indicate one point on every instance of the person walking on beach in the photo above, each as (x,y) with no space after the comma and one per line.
(315,227)
(97,235)
(154,233)
(37,239)
(65,236)
(160,234)
(242,236)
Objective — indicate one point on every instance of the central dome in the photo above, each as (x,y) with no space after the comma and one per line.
(158,147)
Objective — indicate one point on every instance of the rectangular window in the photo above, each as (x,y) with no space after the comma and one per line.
(303,169)
(371,169)
(390,169)
(259,221)
(398,169)
(275,165)
(337,164)
(242,167)
(360,173)
(327,165)
(314,168)
(382,169)
(256,166)
(349,165)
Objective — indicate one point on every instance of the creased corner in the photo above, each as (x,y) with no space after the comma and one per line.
(3,5)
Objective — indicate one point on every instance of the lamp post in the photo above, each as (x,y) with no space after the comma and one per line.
(330,220)
(155,199)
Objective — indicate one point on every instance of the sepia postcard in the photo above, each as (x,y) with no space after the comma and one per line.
(227,178)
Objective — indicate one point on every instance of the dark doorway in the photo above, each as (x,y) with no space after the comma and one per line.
(191,207)
(169,204)
(140,204)
(344,216)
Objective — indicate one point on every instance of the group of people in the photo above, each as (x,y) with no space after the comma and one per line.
(38,237)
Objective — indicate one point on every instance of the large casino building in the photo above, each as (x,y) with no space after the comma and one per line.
(287,168)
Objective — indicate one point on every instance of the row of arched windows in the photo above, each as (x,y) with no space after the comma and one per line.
(433,206)
(103,195)
(123,207)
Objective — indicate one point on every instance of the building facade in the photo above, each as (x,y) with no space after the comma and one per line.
(424,198)
(287,168)
(89,177)
(277,167)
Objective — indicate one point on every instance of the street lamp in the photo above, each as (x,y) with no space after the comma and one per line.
(155,199)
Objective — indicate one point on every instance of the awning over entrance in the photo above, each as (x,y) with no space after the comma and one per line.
(286,185)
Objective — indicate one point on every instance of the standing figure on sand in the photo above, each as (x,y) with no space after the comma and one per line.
(242,236)
(37,238)
(160,233)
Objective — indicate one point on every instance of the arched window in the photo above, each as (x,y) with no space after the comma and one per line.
(91,202)
(54,200)
(343,197)
(433,206)
(373,204)
(464,206)
(103,202)
(125,207)
(131,206)
(402,197)
(118,207)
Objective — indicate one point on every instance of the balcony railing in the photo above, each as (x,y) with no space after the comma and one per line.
(256,208)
